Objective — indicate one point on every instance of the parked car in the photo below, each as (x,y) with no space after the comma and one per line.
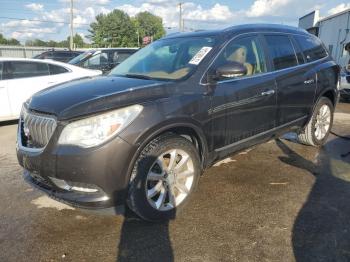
(345,84)
(104,59)
(21,78)
(143,135)
(62,56)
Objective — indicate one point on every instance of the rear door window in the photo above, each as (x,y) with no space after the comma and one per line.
(48,55)
(55,69)
(119,57)
(22,69)
(312,47)
(281,51)
(96,60)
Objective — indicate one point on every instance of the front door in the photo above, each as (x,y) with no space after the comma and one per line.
(245,105)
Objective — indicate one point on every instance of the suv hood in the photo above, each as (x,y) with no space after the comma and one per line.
(87,96)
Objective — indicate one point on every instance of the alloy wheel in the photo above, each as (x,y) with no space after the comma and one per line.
(323,121)
(169,180)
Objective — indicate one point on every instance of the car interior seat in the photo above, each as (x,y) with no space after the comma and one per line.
(240,56)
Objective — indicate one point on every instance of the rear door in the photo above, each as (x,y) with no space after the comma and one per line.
(5,109)
(24,78)
(296,81)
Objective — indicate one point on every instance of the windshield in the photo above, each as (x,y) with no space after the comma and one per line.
(81,57)
(168,59)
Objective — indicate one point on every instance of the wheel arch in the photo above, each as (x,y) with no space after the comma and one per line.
(328,93)
(182,127)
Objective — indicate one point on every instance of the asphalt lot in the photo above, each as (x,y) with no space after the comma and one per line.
(279,201)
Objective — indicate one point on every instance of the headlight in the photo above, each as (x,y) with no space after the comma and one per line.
(95,130)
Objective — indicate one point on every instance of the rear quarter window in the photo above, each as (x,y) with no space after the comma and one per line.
(281,51)
(312,47)
(55,70)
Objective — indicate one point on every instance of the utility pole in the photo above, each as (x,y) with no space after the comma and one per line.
(71,25)
(180,17)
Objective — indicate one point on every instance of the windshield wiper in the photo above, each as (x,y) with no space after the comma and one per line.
(138,76)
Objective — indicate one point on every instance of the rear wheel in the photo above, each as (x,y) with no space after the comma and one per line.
(164,177)
(317,130)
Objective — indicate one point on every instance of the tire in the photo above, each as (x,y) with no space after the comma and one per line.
(169,163)
(311,135)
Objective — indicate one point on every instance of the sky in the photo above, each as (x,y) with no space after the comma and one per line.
(49,20)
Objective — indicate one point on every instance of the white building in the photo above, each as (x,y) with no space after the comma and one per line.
(333,30)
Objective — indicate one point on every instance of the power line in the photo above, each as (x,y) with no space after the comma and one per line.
(39,20)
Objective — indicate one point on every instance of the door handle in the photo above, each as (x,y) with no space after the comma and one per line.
(309,82)
(268,92)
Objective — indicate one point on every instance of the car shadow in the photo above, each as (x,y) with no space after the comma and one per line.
(141,240)
(144,241)
(8,123)
(321,231)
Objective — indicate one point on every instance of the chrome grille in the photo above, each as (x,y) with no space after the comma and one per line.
(36,129)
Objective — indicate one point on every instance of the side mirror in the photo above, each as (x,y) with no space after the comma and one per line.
(231,70)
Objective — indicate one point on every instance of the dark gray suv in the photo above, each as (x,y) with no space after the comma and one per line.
(143,135)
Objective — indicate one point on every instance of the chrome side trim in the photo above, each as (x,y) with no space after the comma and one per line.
(234,104)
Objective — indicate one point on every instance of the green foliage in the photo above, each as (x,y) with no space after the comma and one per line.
(117,29)
(11,41)
(113,30)
(78,41)
(149,25)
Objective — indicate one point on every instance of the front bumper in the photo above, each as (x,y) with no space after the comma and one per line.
(104,167)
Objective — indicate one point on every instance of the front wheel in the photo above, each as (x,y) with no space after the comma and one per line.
(164,177)
(317,130)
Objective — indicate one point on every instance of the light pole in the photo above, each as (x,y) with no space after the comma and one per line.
(180,17)
(71,26)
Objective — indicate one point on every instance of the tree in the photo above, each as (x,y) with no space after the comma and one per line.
(77,39)
(115,29)
(38,42)
(149,25)
(3,40)
(13,41)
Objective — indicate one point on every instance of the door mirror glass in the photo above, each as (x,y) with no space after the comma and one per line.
(231,70)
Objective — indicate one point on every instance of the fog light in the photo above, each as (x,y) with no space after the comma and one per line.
(84,189)
(74,186)
(61,183)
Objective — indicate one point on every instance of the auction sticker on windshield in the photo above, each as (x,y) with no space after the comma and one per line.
(200,55)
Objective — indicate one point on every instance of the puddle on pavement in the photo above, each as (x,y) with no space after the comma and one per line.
(225,161)
(46,202)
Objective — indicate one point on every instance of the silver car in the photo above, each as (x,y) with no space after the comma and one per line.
(345,85)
